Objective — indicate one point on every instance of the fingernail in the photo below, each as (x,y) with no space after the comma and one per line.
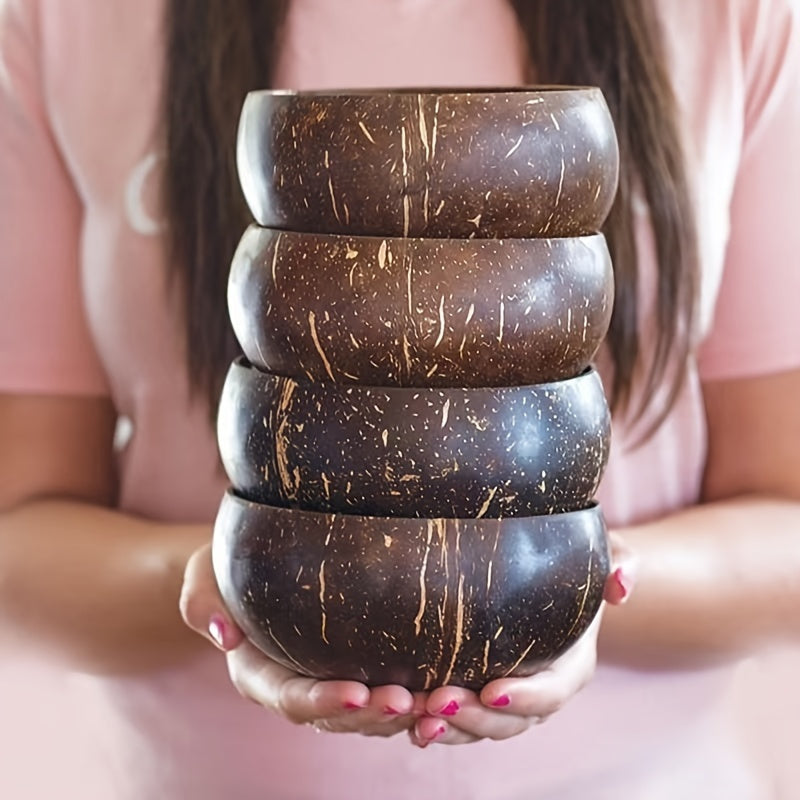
(216,629)
(351,706)
(451,709)
(501,702)
(390,711)
(623,583)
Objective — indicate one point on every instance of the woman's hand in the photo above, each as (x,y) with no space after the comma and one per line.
(509,706)
(338,706)
(449,714)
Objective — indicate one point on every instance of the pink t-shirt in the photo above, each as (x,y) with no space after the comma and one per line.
(83,310)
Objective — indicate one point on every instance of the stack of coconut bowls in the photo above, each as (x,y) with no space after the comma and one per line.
(416,434)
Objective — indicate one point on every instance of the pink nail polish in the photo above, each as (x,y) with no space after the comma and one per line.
(622,583)
(390,711)
(501,702)
(350,706)
(451,709)
(438,732)
(216,629)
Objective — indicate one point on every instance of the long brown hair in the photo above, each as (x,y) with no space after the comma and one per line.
(220,49)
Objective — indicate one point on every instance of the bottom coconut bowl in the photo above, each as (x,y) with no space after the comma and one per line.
(415,602)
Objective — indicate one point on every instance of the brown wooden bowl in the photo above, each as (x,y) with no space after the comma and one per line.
(420,312)
(419,603)
(493,452)
(529,162)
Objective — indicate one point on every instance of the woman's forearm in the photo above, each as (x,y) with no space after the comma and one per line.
(713,581)
(94,588)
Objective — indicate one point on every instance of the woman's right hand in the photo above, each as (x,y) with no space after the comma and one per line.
(336,706)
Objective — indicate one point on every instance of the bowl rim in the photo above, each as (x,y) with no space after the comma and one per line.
(534,242)
(430,91)
(593,508)
(242,365)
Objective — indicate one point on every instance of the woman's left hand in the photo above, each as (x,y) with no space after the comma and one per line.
(509,706)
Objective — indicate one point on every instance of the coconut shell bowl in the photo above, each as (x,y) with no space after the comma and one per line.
(515,163)
(388,311)
(408,452)
(419,603)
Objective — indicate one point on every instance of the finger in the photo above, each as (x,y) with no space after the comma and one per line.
(388,711)
(388,702)
(414,739)
(364,723)
(201,606)
(541,695)
(257,678)
(447,701)
(371,722)
(429,730)
(463,712)
(296,697)
(618,587)
(622,578)
(384,729)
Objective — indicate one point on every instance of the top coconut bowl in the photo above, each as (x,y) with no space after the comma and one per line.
(431,163)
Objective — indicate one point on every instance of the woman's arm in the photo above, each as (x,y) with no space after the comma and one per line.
(723,577)
(92,588)
(97,589)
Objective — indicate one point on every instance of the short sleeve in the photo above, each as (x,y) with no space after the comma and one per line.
(45,345)
(756,325)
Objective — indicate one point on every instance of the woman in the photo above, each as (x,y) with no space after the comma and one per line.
(120,209)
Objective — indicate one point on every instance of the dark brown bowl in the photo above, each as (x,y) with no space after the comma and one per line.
(420,312)
(516,163)
(491,452)
(420,603)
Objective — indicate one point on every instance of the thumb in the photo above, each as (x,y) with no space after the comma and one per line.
(201,605)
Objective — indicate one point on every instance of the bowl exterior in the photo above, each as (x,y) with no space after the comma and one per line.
(420,312)
(493,452)
(420,603)
(487,164)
